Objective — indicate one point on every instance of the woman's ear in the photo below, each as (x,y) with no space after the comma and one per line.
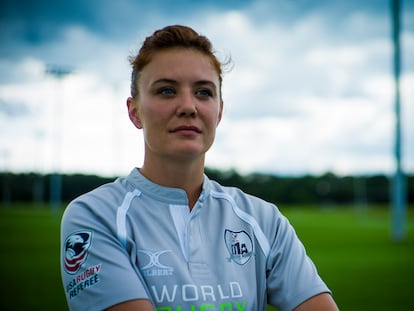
(133,112)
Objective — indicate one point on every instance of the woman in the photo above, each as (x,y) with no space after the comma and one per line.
(167,237)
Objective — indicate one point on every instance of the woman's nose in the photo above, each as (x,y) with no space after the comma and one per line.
(187,105)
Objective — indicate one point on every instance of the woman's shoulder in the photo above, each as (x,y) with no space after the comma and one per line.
(108,195)
(244,201)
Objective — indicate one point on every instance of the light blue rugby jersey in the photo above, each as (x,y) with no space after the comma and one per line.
(134,239)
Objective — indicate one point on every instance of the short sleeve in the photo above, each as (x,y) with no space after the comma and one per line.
(292,277)
(97,272)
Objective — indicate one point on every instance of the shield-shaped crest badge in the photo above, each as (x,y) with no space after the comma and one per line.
(240,246)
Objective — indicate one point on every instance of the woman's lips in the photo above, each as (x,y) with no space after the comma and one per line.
(186,130)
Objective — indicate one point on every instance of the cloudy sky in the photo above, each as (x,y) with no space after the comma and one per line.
(311,89)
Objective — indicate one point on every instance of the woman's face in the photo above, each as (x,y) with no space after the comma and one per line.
(179,104)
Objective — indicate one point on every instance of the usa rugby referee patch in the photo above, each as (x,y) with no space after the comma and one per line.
(76,250)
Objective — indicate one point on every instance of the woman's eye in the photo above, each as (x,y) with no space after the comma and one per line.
(204,93)
(166,91)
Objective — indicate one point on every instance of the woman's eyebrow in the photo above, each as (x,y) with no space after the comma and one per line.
(206,82)
(172,81)
(164,80)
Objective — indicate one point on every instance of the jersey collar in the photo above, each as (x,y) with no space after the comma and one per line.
(161,193)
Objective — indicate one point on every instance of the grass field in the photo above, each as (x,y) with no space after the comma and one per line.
(352,249)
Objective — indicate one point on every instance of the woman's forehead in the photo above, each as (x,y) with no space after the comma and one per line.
(180,64)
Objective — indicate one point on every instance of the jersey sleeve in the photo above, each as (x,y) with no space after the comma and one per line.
(96,269)
(292,276)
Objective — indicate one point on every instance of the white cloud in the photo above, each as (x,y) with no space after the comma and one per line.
(323,106)
(299,100)
(78,124)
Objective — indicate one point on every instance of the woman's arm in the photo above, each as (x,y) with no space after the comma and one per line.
(321,302)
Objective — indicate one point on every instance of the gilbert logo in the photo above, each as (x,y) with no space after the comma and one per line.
(240,246)
(154,267)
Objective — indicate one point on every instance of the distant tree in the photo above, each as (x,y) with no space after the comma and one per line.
(322,190)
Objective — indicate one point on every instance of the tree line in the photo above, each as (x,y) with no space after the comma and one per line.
(308,189)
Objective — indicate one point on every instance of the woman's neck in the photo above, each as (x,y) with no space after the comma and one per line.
(185,175)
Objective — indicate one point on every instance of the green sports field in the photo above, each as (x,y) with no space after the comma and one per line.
(352,249)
